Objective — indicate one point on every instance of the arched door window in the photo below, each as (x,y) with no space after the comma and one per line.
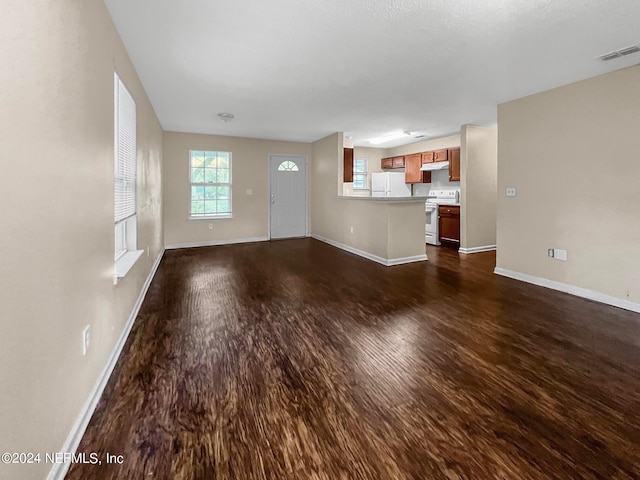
(288,166)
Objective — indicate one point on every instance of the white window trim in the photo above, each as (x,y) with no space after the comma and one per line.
(124,258)
(224,216)
(365,173)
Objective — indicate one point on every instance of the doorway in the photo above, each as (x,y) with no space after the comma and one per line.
(287,196)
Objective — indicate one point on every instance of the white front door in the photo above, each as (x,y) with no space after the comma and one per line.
(288,196)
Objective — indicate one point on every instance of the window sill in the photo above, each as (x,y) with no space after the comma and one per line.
(216,217)
(126,262)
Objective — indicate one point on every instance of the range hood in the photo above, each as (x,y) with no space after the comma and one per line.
(428,167)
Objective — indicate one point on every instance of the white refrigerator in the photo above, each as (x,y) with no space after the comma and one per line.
(389,184)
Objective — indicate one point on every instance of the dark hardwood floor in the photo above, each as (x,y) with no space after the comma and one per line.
(295,360)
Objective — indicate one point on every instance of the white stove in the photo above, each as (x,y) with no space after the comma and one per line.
(435,198)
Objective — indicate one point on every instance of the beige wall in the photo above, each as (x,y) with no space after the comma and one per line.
(250,160)
(478,183)
(572,153)
(57,242)
(424,146)
(387,230)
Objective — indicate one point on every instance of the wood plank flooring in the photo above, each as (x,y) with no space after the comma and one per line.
(295,360)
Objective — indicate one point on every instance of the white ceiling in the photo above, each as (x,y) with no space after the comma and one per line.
(303,69)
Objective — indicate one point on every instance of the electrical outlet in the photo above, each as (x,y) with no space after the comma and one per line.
(86,337)
(511,191)
(550,252)
(559,254)
(351,229)
(249,191)
(211,226)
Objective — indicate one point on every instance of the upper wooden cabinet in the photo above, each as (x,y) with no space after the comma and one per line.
(392,162)
(454,164)
(348,165)
(440,155)
(426,157)
(412,164)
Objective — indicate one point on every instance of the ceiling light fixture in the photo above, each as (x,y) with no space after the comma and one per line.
(225,117)
(388,137)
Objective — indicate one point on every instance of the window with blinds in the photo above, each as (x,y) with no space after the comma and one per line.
(124,170)
(125,146)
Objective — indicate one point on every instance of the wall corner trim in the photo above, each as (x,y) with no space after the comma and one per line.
(370,256)
(214,243)
(485,248)
(570,289)
(59,470)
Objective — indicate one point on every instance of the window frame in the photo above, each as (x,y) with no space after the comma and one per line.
(364,174)
(221,216)
(125,233)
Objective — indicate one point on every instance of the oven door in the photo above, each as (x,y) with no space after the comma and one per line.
(431,223)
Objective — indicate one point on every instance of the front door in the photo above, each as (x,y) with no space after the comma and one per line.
(288,196)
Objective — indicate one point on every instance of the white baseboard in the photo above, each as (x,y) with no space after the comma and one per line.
(486,248)
(59,470)
(214,243)
(371,256)
(571,289)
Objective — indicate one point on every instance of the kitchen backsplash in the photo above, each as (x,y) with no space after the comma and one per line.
(439,180)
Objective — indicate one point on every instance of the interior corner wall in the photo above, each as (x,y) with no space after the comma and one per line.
(333,217)
(250,180)
(572,153)
(478,184)
(355,223)
(57,242)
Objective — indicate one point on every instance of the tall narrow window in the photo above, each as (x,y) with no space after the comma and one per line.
(125,179)
(360,174)
(210,177)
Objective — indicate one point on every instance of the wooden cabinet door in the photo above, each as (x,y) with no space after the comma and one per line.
(449,225)
(386,163)
(426,177)
(440,155)
(348,165)
(427,157)
(454,164)
(398,162)
(412,164)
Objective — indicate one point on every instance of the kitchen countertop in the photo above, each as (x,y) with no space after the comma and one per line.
(384,199)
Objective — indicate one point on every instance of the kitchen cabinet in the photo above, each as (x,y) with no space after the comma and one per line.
(440,155)
(454,164)
(398,162)
(412,164)
(449,225)
(348,165)
(386,163)
(426,157)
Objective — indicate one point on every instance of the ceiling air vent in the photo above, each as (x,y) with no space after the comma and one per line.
(619,53)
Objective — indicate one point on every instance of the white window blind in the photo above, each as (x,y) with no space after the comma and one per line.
(125,146)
